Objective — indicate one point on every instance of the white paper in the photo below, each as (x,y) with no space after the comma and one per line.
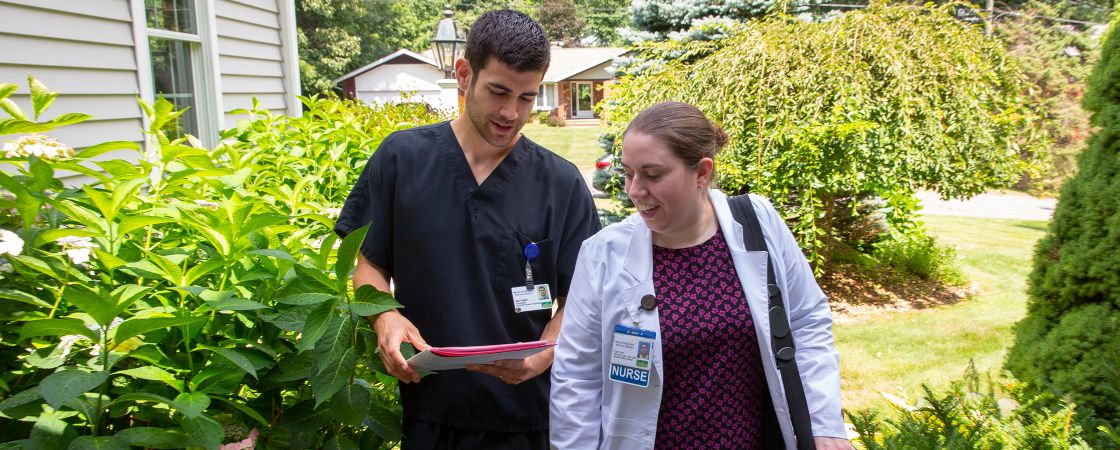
(425,360)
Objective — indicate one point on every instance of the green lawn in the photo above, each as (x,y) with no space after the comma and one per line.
(897,352)
(580,145)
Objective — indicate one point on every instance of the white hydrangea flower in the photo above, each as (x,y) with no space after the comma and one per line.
(68,341)
(77,248)
(332,213)
(36,144)
(10,243)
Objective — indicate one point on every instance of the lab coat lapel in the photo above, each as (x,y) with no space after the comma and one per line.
(638,279)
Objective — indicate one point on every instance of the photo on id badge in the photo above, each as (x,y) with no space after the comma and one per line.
(527,299)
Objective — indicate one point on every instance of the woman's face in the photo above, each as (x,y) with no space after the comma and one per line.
(668,195)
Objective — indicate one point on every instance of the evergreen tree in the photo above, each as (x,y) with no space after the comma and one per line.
(1068,343)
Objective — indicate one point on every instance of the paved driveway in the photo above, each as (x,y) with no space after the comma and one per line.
(994,205)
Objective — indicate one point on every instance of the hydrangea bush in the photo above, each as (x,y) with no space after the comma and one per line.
(190,297)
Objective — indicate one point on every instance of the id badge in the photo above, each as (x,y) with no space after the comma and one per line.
(630,355)
(527,299)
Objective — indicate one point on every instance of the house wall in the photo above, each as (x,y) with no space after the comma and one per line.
(251,54)
(86,50)
(384,84)
(83,49)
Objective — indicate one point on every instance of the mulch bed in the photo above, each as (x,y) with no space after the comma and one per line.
(854,293)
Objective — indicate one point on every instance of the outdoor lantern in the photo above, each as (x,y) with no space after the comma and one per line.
(447,43)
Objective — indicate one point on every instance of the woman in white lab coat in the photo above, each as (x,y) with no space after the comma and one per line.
(660,345)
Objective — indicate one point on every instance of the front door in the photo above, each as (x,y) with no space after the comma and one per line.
(581,100)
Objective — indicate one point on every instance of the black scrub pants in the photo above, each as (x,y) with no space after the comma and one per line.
(421,435)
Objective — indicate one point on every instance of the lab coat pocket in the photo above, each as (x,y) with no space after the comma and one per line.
(623,433)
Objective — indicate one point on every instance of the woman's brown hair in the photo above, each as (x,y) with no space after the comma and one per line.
(683,128)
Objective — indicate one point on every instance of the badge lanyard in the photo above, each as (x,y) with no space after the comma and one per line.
(531,250)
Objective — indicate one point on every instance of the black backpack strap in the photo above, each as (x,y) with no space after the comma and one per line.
(781,340)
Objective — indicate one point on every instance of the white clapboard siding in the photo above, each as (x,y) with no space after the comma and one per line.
(73,81)
(110,107)
(246,13)
(250,53)
(106,9)
(46,23)
(236,65)
(84,51)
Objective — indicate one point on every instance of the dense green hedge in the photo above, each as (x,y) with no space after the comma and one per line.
(1068,341)
(195,297)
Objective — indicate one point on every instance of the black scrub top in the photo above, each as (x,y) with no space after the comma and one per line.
(454,250)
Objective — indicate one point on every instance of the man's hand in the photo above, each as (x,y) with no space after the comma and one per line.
(516,371)
(831,443)
(392,329)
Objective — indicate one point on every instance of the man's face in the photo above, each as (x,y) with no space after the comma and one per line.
(499,101)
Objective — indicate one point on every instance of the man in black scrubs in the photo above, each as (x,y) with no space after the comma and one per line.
(469,219)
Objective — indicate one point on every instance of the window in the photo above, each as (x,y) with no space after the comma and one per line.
(178,67)
(546,97)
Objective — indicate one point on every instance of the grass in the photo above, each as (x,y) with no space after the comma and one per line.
(895,352)
(580,145)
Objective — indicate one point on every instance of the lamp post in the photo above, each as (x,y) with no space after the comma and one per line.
(447,44)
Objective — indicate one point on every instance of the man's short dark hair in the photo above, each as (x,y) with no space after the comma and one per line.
(511,37)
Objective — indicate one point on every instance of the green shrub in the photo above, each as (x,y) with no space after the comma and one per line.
(196,296)
(969,416)
(1068,341)
(542,117)
(920,254)
(555,121)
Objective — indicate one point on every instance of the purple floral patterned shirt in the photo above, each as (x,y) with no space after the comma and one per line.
(714,387)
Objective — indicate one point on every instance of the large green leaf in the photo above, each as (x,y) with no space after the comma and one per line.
(336,340)
(337,442)
(99,149)
(351,404)
(347,254)
(137,326)
(128,224)
(245,409)
(91,303)
(50,431)
(37,264)
(229,301)
(153,437)
(68,119)
(23,297)
(318,322)
(6,89)
(13,110)
(21,398)
(204,431)
(385,422)
(191,404)
(41,97)
(154,373)
(293,367)
(56,327)
(125,295)
(336,374)
(64,385)
(137,397)
(236,358)
(369,301)
(98,443)
(309,298)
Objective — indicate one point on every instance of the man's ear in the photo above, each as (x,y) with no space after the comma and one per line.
(463,73)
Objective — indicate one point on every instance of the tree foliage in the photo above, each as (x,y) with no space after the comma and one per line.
(1056,60)
(337,36)
(664,16)
(1068,342)
(563,22)
(875,103)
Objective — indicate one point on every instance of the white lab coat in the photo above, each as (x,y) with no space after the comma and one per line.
(615,270)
